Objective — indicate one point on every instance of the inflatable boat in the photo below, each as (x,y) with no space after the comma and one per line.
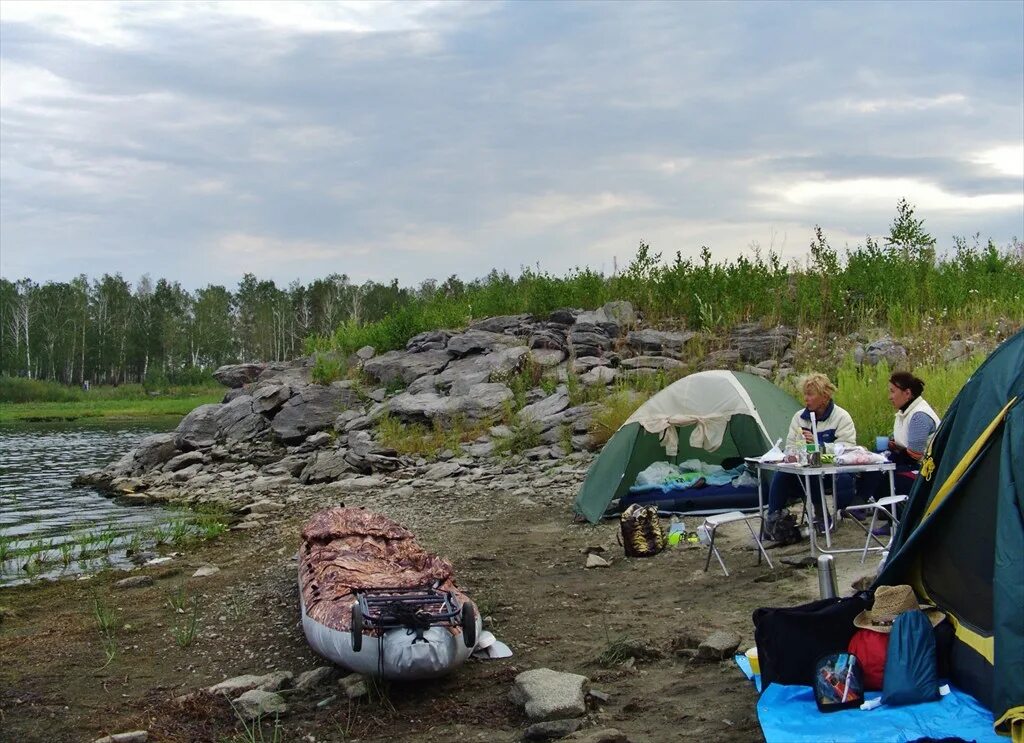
(374,601)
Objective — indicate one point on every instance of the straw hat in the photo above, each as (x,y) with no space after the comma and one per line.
(890,602)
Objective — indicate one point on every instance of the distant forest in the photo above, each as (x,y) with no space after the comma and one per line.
(108,331)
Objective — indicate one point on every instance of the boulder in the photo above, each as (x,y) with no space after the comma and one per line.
(547,357)
(366,353)
(545,408)
(236,375)
(478,341)
(317,677)
(198,429)
(481,400)
(651,362)
(405,367)
(551,336)
(184,460)
(884,348)
(268,398)
(549,695)
(238,421)
(255,704)
(719,645)
(152,452)
(501,323)
(599,376)
(663,343)
(431,340)
(312,408)
(755,343)
(326,466)
(621,313)
(588,339)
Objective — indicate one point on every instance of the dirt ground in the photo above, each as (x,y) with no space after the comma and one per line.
(522,560)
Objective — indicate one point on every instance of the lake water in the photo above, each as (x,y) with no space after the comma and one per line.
(39,511)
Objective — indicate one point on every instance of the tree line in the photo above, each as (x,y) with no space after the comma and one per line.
(107,331)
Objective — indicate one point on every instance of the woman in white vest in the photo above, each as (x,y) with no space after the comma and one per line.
(913,428)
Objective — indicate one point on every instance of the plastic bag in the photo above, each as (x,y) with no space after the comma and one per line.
(657,474)
(774,454)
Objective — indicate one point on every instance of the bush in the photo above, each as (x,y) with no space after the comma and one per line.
(327,368)
(19,389)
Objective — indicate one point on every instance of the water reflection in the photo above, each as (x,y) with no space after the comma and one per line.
(40,512)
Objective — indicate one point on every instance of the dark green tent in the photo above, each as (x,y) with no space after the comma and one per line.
(710,415)
(961,541)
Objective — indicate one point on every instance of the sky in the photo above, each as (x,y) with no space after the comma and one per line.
(199,141)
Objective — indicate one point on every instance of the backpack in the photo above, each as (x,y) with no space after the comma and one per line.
(640,532)
(791,640)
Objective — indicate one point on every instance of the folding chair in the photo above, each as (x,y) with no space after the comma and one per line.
(710,526)
(888,506)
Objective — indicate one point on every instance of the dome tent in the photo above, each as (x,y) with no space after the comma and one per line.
(711,415)
(961,540)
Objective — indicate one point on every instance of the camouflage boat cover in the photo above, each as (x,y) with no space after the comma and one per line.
(345,550)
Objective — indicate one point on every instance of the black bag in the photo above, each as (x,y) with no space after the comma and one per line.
(640,532)
(791,640)
(910,668)
(838,682)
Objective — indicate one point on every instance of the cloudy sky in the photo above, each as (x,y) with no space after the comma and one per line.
(412,140)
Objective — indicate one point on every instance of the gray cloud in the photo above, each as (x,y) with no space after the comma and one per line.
(456,139)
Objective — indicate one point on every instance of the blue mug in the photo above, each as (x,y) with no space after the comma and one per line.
(881,443)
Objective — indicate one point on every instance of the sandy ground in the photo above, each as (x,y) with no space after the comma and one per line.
(521,560)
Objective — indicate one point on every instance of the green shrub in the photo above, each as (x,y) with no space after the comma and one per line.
(327,368)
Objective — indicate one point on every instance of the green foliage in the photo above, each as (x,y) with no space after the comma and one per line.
(108,622)
(524,435)
(863,391)
(327,368)
(418,439)
(614,411)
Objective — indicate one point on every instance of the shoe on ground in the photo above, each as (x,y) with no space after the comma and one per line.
(885,530)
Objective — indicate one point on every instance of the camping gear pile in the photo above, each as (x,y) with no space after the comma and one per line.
(712,416)
(373,600)
(960,549)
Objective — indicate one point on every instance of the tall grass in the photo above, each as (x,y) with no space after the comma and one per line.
(831,291)
(863,391)
(21,390)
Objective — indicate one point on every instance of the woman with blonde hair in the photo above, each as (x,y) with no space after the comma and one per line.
(834,425)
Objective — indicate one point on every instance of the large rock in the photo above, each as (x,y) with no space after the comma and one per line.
(239,421)
(588,339)
(755,343)
(236,375)
(269,397)
(549,406)
(501,323)
(152,452)
(461,374)
(198,429)
(719,645)
(478,341)
(256,704)
(886,348)
(549,695)
(431,340)
(312,408)
(326,466)
(652,362)
(404,366)
(659,342)
(480,401)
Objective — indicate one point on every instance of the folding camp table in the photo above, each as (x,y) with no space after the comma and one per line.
(829,470)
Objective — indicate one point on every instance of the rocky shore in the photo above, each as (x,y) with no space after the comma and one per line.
(605,649)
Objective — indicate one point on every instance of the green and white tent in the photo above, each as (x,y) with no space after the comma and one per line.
(711,416)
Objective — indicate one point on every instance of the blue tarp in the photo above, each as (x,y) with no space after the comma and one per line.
(788,714)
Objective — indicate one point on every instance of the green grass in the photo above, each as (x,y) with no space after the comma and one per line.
(863,391)
(106,409)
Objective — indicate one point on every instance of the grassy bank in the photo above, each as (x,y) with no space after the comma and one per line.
(36,400)
(103,409)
